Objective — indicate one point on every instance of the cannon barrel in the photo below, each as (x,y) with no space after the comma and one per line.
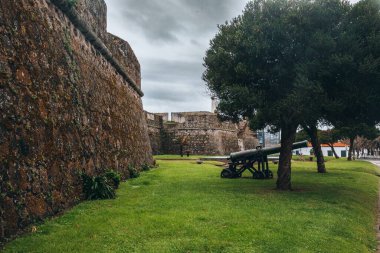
(249,154)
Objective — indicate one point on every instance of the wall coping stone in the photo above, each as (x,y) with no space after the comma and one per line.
(74,17)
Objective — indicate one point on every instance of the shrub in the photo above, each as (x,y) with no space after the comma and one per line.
(72,3)
(145,167)
(99,187)
(133,172)
(113,177)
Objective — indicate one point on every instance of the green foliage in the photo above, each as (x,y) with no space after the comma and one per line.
(113,177)
(262,65)
(356,63)
(145,167)
(72,3)
(186,207)
(67,43)
(325,136)
(289,63)
(133,172)
(302,135)
(98,187)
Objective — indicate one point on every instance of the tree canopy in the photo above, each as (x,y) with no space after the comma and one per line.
(284,63)
(259,66)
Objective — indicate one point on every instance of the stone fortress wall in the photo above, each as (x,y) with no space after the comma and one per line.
(70,101)
(199,133)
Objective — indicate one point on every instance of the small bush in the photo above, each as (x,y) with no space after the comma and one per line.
(133,172)
(72,3)
(114,177)
(145,167)
(99,187)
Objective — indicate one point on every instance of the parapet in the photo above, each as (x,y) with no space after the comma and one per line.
(123,52)
(94,13)
(90,18)
(153,120)
(201,120)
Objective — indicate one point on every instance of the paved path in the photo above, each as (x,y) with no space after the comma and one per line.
(377,163)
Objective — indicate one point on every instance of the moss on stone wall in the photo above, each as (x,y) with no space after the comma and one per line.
(200,133)
(65,109)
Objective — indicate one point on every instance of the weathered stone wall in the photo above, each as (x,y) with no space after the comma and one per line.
(202,120)
(94,14)
(65,107)
(200,133)
(123,52)
(155,128)
(247,138)
(200,142)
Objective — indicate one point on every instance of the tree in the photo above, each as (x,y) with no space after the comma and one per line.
(330,137)
(354,78)
(312,134)
(353,131)
(259,66)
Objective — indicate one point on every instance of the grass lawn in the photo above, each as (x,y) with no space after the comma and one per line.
(177,157)
(186,207)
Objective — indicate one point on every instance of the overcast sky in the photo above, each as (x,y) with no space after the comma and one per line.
(170,38)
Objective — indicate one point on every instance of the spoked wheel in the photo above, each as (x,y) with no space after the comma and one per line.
(258,175)
(269,174)
(226,173)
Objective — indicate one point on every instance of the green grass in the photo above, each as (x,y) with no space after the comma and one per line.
(307,157)
(177,157)
(186,207)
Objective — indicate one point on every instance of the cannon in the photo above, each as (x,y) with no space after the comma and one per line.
(245,160)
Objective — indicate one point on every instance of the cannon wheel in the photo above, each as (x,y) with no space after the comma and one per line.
(226,173)
(269,174)
(258,175)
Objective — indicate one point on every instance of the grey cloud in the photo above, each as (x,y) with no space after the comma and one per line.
(164,20)
(174,81)
(172,71)
(170,38)
(195,42)
(150,17)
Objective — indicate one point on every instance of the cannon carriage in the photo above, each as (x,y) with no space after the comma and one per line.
(239,162)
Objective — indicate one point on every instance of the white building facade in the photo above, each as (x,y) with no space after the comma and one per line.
(340,148)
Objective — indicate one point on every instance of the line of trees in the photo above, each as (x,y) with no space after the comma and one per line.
(367,147)
(290,64)
(365,144)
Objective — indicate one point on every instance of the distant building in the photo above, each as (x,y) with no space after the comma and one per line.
(214,104)
(200,133)
(340,148)
(267,138)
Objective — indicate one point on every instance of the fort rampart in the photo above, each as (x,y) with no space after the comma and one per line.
(199,133)
(70,101)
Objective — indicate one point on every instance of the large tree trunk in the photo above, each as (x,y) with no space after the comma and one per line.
(288,135)
(331,145)
(312,131)
(350,151)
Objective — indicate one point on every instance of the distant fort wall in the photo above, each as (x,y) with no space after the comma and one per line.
(70,101)
(199,133)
